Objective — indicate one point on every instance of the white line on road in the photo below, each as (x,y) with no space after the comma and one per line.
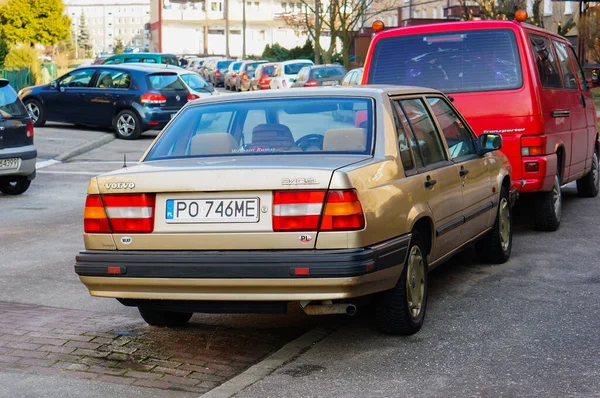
(46,163)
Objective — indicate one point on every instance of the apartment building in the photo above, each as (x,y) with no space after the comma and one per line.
(198,27)
(110,20)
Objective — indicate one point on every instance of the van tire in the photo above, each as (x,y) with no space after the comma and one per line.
(589,185)
(392,310)
(495,247)
(155,317)
(549,208)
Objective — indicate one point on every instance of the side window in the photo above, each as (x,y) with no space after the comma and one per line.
(347,79)
(113,79)
(458,137)
(565,65)
(78,78)
(545,61)
(404,146)
(578,70)
(428,138)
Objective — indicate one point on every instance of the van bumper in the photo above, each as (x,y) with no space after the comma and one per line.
(538,181)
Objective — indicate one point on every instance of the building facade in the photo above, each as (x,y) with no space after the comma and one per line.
(108,21)
(199,27)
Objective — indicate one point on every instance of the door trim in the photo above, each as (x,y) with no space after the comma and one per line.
(479,211)
(449,226)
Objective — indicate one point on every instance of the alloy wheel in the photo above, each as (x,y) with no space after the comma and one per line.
(556,198)
(33,111)
(415,282)
(126,125)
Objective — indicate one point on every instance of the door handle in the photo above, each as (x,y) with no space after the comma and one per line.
(430,183)
(561,113)
(2,128)
(463,172)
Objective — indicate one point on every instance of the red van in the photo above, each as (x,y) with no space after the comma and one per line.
(510,78)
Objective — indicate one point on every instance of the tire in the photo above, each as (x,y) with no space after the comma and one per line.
(164,318)
(589,185)
(36,111)
(127,125)
(496,246)
(394,313)
(14,185)
(549,208)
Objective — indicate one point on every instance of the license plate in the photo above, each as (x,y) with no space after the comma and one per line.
(237,210)
(10,163)
(331,83)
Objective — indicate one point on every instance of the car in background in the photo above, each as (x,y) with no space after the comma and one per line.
(197,86)
(231,75)
(192,64)
(286,72)
(301,208)
(129,98)
(262,76)
(245,74)
(129,58)
(17,152)
(320,75)
(99,61)
(217,74)
(353,77)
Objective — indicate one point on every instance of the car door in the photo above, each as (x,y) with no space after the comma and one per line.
(439,177)
(109,89)
(64,103)
(473,170)
(276,77)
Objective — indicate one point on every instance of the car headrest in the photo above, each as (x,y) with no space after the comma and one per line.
(275,135)
(349,139)
(212,144)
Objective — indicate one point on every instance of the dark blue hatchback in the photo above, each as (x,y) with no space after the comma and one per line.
(131,99)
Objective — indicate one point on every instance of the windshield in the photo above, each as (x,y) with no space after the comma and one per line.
(196,83)
(165,81)
(465,61)
(293,69)
(268,127)
(223,64)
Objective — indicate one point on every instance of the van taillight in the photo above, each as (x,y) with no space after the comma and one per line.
(150,98)
(30,129)
(127,213)
(337,210)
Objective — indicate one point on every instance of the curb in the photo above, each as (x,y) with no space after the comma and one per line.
(268,365)
(85,147)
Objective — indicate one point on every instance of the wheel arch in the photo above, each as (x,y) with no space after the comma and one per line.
(425,227)
(122,108)
(560,160)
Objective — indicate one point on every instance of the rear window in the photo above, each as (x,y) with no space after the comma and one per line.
(223,64)
(236,66)
(170,61)
(142,60)
(268,70)
(486,60)
(294,126)
(10,105)
(321,73)
(165,82)
(293,69)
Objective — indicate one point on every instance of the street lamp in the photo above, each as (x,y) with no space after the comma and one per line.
(243,29)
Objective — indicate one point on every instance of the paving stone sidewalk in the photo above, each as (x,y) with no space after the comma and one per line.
(121,349)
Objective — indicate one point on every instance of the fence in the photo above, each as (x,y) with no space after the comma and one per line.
(21,78)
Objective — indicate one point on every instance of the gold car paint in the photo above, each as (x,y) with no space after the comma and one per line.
(242,289)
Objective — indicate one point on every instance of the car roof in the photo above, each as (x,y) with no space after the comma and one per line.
(141,55)
(296,61)
(138,68)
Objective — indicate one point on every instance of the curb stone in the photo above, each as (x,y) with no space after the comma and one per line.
(85,147)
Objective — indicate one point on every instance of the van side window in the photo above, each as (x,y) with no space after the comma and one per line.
(565,65)
(545,61)
(578,70)
(427,137)
(458,137)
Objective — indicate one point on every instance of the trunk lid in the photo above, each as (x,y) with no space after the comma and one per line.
(171,87)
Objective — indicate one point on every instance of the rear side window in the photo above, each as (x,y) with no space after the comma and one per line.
(293,69)
(321,73)
(565,66)
(545,62)
(10,105)
(170,61)
(428,138)
(113,79)
(463,61)
(165,82)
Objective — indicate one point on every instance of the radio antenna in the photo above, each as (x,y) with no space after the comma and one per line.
(124,160)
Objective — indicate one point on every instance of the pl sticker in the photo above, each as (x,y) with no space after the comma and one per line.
(305,238)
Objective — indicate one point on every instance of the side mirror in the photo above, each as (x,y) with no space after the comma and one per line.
(53,84)
(489,143)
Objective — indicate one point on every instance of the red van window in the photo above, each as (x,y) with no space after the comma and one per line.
(463,61)
(546,62)
(565,66)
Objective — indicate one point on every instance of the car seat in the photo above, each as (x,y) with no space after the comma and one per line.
(212,144)
(277,136)
(350,139)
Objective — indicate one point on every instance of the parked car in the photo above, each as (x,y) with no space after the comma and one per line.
(217,74)
(17,152)
(245,74)
(130,98)
(320,75)
(286,72)
(231,75)
(301,209)
(197,86)
(99,61)
(127,58)
(353,77)
(533,90)
(262,76)
(192,64)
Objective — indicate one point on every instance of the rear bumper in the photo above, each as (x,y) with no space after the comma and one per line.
(539,181)
(244,275)
(156,118)
(27,157)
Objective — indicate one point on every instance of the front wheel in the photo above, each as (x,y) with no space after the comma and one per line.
(14,185)
(401,310)
(164,318)
(589,185)
(549,208)
(127,125)
(496,246)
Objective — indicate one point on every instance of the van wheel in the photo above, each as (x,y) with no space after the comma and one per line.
(127,125)
(164,318)
(589,185)
(496,246)
(36,111)
(401,310)
(549,209)
(14,185)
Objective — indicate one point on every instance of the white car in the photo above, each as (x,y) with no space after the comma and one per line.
(286,72)
(197,86)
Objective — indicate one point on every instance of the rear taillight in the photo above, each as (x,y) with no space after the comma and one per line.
(192,97)
(311,83)
(218,74)
(234,75)
(245,77)
(127,213)
(150,98)
(317,210)
(30,129)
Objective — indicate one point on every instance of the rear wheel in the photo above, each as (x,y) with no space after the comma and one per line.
(127,125)
(14,185)
(589,185)
(401,310)
(549,208)
(496,246)
(36,111)
(164,318)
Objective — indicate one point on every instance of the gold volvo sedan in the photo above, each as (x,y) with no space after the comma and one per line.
(247,202)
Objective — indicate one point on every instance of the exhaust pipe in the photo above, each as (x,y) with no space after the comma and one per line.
(328,309)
